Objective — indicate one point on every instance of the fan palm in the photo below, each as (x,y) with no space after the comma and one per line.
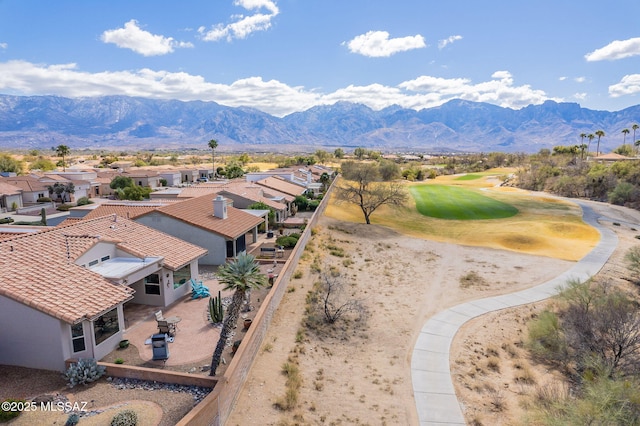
(240,275)
(213,144)
(590,136)
(599,134)
(634,128)
(582,145)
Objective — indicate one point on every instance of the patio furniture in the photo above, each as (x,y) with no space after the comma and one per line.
(159,316)
(164,327)
(198,290)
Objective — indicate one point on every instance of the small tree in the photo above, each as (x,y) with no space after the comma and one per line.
(366,190)
(335,301)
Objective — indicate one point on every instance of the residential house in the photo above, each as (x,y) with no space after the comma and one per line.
(63,290)
(210,221)
(173,177)
(188,176)
(31,187)
(10,197)
(144,178)
(279,184)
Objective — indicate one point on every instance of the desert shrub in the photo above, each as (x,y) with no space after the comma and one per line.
(86,370)
(288,241)
(125,418)
(623,192)
(545,338)
(72,420)
(5,416)
(313,205)
(83,201)
(118,361)
(6,220)
(44,200)
(64,207)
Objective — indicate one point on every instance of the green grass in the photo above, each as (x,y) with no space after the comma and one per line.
(471,176)
(448,202)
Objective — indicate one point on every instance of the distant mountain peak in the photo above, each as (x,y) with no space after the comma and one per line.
(122,122)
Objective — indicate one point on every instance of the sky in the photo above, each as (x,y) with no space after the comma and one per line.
(284,56)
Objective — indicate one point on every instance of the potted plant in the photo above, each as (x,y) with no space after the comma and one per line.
(123,344)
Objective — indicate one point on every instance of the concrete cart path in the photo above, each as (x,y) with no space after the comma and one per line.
(433,389)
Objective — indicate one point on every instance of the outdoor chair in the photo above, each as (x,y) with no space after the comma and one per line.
(198,290)
(159,316)
(167,328)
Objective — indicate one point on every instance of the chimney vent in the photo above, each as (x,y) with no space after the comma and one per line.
(220,207)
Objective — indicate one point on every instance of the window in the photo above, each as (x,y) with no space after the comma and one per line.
(152,284)
(106,326)
(105,258)
(181,276)
(77,338)
(93,263)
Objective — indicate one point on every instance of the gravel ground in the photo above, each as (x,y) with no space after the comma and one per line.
(25,383)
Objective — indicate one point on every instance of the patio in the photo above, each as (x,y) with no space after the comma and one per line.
(195,338)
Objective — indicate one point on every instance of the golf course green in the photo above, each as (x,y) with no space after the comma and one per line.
(454,203)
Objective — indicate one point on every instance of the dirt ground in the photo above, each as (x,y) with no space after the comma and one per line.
(361,375)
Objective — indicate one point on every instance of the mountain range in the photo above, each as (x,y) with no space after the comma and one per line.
(128,123)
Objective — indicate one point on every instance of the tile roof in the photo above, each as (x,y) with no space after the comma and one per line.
(26,183)
(199,212)
(129,211)
(282,185)
(8,189)
(38,269)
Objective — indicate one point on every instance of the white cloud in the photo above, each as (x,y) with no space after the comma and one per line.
(580,96)
(617,49)
(377,44)
(4,45)
(443,43)
(140,41)
(500,90)
(562,78)
(580,79)
(272,96)
(629,85)
(243,25)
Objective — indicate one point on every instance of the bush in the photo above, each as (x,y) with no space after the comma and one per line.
(622,193)
(125,418)
(84,371)
(44,200)
(313,205)
(6,220)
(72,420)
(64,207)
(83,201)
(5,416)
(288,241)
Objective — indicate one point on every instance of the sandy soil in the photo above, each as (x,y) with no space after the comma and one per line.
(361,375)
(494,377)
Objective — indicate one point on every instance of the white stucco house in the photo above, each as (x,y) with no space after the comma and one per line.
(63,290)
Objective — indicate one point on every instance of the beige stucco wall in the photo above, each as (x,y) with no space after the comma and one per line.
(30,338)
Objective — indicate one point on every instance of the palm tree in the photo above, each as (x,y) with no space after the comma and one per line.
(599,134)
(590,136)
(213,144)
(240,275)
(582,145)
(62,151)
(635,127)
(625,132)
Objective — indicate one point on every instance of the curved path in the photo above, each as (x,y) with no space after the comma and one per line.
(433,389)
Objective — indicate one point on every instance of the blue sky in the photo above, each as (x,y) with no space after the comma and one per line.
(282,56)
